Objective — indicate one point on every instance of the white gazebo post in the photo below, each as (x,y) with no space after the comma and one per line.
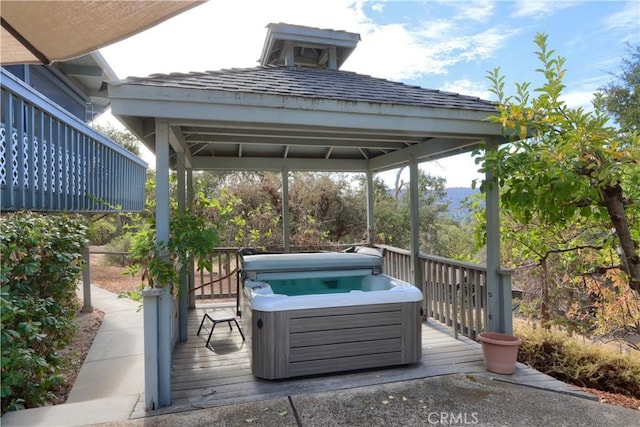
(371,222)
(183,295)
(191,301)
(498,307)
(150,299)
(414,189)
(165,306)
(286,226)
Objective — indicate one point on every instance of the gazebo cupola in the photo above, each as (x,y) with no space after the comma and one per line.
(295,45)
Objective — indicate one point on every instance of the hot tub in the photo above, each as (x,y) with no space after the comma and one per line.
(315,313)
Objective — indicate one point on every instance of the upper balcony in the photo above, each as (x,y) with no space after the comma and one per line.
(52,161)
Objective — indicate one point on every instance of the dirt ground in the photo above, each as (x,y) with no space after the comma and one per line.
(113,279)
(110,277)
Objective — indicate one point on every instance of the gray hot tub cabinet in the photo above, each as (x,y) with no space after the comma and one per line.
(320,340)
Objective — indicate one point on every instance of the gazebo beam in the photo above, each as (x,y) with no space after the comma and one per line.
(179,145)
(430,149)
(277,164)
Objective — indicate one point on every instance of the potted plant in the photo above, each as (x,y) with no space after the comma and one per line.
(500,352)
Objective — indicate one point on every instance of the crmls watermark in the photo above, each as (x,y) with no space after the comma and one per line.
(453,418)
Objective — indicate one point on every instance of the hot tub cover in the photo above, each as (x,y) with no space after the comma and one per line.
(311,262)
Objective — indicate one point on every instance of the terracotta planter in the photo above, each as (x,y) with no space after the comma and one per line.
(500,352)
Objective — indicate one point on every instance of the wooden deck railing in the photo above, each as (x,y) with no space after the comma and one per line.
(455,292)
(221,283)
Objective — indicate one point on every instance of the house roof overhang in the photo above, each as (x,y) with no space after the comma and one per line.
(88,73)
(335,121)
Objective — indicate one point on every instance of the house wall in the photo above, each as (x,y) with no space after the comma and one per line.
(54,86)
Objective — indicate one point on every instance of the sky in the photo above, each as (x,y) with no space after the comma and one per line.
(447,45)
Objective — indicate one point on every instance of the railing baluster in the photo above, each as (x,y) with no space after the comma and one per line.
(423,286)
(454,294)
(438,293)
(448,297)
(468,315)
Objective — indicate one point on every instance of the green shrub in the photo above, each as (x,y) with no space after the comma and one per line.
(102,230)
(119,244)
(585,365)
(41,264)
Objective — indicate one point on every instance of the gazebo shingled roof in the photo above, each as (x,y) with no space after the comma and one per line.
(281,112)
(316,84)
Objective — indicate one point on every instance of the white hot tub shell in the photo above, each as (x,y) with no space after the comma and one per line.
(315,313)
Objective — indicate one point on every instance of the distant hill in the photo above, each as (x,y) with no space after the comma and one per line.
(455,196)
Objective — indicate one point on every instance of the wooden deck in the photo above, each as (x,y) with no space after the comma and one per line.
(204,378)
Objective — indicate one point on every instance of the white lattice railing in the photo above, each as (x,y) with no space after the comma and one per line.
(51,161)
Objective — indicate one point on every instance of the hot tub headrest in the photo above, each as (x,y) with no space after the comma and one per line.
(365,250)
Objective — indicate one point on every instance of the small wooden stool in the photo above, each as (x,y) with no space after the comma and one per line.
(214,322)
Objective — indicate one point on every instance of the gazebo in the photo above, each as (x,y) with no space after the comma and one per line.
(296,111)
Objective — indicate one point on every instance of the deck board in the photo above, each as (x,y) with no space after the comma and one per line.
(204,378)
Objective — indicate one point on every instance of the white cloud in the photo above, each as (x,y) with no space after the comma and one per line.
(393,52)
(625,21)
(398,52)
(486,43)
(538,9)
(468,87)
(378,7)
(575,99)
(479,10)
